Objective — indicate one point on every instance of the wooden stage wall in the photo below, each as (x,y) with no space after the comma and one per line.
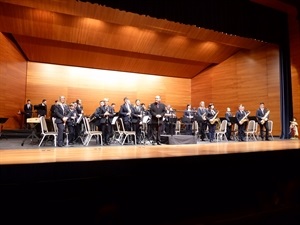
(247,77)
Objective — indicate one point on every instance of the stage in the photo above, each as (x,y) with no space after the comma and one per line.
(205,183)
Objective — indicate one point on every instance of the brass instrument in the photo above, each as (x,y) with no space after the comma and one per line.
(203,116)
(244,119)
(265,118)
(215,119)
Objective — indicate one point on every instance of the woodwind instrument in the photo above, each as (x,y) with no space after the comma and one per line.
(214,119)
(244,119)
(265,118)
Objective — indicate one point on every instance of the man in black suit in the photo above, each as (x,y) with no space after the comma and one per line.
(125,113)
(27,112)
(262,116)
(242,122)
(106,114)
(42,108)
(157,111)
(61,116)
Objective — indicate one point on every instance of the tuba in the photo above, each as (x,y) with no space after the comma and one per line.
(265,118)
(244,119)
(214,119)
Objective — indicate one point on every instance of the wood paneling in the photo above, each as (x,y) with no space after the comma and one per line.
(248,77)
(92,85)
(93,36)
(12,82)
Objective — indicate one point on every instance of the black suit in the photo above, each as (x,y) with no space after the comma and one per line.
(61,111)
(124,110)
(27,113)
(105,122)
(259,116)
(229,125)
(156,123)
(241,127)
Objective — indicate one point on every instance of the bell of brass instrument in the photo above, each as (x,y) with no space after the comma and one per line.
(265,118)
(244,119)
(214,119)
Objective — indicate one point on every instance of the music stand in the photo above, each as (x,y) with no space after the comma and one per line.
(233,120)
(2,121)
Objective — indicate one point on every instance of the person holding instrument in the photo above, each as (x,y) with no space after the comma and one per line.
(241,117)
(262,116)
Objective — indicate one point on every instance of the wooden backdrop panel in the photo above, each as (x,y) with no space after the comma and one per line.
(248,77)
(12,83)
(92,85)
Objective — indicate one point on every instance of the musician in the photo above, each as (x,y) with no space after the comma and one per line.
(228,114)
(52,109)
(294,128)
(125,113)
(72,122)
(262,116)
(157,110)
(170,120)
(79,109)
(136,119)
(42,108)
(188,117)
(202,120)
(147,125)
(211,115)
(106,114)
(27,112)
(242,122)
(61,116)
(96,117)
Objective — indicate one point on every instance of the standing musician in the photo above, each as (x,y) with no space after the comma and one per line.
(262,116)
(136,119)
(211,117)
(106,114)
(202,120)
(79,124)
(157,110)
(61,114)
(125,113)
(228,114)
(27,112)
(188,117)
(241,117)
(71,123)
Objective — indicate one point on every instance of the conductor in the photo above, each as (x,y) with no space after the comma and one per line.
(157,111)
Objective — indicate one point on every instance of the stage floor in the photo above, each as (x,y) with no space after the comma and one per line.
(11,151)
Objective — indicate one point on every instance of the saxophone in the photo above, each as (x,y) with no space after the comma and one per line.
(215,119)
(265,118)
(244,119)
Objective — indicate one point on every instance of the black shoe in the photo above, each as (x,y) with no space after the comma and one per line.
(267,139)
(158,143)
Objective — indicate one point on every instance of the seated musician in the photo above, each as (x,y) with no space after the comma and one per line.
(187,119)
(294,128)
(170,120)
